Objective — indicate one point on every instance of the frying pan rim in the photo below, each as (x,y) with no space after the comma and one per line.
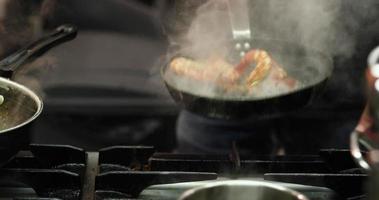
(31,94)
(328,73)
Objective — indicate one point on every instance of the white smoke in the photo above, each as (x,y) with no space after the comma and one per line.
(317,25)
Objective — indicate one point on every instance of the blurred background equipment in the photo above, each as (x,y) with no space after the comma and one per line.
(103,88)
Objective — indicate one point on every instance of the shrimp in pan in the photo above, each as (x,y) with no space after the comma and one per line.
(214,69)
(266,73)
(191,69)
(265,67)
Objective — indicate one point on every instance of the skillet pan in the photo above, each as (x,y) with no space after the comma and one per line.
(311,67)
(20,106)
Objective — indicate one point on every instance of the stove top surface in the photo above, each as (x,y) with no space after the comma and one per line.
(138,172)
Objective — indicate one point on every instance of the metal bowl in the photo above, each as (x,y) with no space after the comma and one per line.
(242,190)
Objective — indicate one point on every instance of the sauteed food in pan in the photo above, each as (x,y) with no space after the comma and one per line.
(257,74)
(272,78)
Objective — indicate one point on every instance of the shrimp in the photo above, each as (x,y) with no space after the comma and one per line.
(265,76)
(215,69)
(226,74)
(265,66)
(192,69)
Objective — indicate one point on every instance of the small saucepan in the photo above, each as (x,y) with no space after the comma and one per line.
(20,106)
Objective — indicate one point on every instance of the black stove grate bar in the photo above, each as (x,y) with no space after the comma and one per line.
(53,171)
(48,157)
(338,160)
(30,163)
(46,183)
(41,178)
(128,156)
(54,155)
(112,195)
(226,157)
(246,166)
(122,172)
(35,198)
(137,180)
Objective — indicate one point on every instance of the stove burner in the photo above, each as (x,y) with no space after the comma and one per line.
(46,172)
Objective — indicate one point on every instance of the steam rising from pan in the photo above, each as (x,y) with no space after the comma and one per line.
(322,25)
(319,25)
(209,35)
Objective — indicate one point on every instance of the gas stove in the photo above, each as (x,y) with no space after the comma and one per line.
(46,172)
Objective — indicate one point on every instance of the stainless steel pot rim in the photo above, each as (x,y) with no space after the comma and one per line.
(271,185)
(28,92)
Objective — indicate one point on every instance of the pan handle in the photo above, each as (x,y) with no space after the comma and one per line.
(37,48)
(240,22)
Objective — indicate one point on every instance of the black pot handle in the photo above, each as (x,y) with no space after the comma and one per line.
(11,63)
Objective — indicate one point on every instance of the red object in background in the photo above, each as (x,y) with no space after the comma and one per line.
(366,133)
(367,123)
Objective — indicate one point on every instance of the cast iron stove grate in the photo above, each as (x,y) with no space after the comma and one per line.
(332,168)
(122,172)
(44,172)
